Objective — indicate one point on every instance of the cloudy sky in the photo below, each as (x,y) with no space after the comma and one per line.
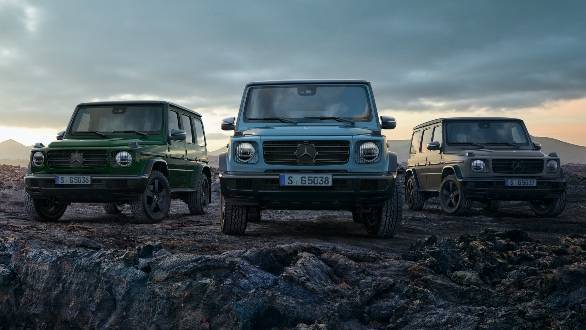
(425,58)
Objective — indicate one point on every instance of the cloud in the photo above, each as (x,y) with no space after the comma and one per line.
(420,56)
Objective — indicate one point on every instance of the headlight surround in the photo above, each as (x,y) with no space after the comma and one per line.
(479,166)
(246,153)
(368,152)
(552,166)
(123,159)
(38,159)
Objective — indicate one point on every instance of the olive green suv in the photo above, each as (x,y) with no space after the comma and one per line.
(141,153)
(489,160)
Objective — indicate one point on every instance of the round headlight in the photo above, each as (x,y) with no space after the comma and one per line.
(478,165)
(124,158)
(552,165)
(368,152)
(245,152)
(38,158)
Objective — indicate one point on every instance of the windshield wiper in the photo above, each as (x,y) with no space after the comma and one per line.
(132,131)
(283,120)
(98,133)
(340,119)
(516,146)
(469,143)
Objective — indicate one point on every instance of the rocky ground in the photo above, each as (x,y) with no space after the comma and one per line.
(308,270)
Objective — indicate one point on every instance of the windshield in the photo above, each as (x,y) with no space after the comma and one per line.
(313,102)
(486,132)
(134,119)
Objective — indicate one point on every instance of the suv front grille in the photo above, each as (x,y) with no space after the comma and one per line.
(287,153)
(517,166)
(77,158)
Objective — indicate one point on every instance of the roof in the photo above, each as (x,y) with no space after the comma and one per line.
(308,81)
(435,121)
(139,102)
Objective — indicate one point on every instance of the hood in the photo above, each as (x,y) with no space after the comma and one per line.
(499,153)
(97,143)
(308,131)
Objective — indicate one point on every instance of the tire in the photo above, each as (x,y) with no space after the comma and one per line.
(44,210)
(232,217)
(358,216)
(154,203)
(253,214)
(198,201)
(549,207)
(492,206)
(112,209)
(452,198)
(414,198)
(384,221)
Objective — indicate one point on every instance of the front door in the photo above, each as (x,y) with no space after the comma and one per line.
(176,153)
(435,162)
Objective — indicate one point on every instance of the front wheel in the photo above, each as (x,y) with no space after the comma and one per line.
(549,207)
(233,218)
(384,221)
(44,209)
(154,203)
(452,197)
(414,198)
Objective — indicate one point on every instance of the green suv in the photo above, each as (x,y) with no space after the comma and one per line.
(140,153)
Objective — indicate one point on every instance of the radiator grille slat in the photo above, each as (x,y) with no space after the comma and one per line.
(328,152)
(89,158)
(517,166)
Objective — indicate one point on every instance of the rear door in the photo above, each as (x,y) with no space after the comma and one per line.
(200,140)
(435,161)
(176,151)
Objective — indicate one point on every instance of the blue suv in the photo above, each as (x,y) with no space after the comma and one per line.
(314,145)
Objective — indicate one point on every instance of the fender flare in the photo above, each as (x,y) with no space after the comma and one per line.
(223,162)
(151,163)
(393,162)
(454,168)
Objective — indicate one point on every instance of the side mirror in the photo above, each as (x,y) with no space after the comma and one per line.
(60,135)
(434,146)
(537,146)
(388,122)
(228,124)
(178,135)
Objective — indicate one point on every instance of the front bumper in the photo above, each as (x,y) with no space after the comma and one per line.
(348,191)
(102,188)
(495,189)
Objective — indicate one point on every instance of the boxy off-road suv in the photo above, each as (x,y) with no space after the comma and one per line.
(482,159)
(309,145)
(142,153)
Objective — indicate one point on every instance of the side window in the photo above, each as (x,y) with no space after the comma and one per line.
(437,134)
(173,120)
(186,122)
(415,141)
(425,140)
(199,132)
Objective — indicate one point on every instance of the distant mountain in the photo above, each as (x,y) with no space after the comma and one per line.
(569,153)
(13,150)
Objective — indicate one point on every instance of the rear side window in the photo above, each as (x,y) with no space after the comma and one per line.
(188,128)
(199,132)
(426,139)
(173,121)
(437,134)
(415,141)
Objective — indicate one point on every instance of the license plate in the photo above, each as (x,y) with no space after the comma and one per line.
(520,182)
(305,180)
(73,179)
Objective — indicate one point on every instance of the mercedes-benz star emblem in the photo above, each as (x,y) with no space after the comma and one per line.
(516,166)
(305,152)
(76,159)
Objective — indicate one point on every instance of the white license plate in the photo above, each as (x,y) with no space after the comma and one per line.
(520,182)
(305,180)
(73,179)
